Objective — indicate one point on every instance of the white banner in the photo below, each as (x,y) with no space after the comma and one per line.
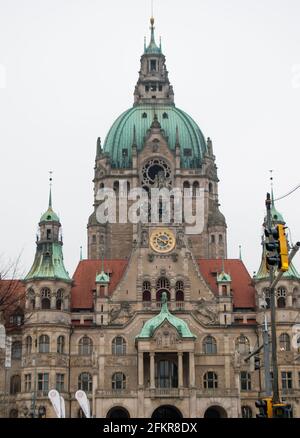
(8,352)
(83,402)
(2,336)
(56,401)
(62,407)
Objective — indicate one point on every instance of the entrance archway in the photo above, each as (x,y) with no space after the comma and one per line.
(118,412)
(166,411)
(215,412)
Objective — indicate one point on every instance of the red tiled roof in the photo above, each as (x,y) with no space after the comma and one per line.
(241,285)
(85,276)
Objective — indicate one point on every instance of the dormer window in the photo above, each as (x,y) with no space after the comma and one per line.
(165,116)
(144,116)
(153,65)
(187,152)
(48,234)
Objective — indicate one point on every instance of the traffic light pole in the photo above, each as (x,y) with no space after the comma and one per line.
(276,398)
(273,282)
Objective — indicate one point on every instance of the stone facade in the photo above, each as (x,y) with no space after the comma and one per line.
(84,333)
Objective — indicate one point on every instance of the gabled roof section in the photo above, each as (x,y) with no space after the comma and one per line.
(154,323)
(85,280)
(241,283)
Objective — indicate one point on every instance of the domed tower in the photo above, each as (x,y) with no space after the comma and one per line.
(154,144)
(47,316)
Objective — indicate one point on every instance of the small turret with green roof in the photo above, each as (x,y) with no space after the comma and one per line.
(153,324)
(48,263)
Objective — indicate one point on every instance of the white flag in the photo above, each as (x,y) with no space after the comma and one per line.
(56,402)
(62,407)
(83,402)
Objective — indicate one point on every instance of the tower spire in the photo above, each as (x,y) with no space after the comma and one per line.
(50,187)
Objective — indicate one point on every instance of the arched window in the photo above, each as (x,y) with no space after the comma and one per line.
(186,185)
(16,350)
(85,382)
(179,294)
(85,346)
(45,298)
(144,115)
(210,345)
(165,116)
(44,344)
(59,299)
(116,186)
(15,384)
(195,188)
(118,381)
(28,344)
(224,289)
(210,380)
(146,291)
(210,187)
(284,342)
(162,285)
(146,295)
(243,345)
(31,299)
(13,413)
(246,412)
(281,297)
(245,381)
(266,294)
(61,344)
(118,346)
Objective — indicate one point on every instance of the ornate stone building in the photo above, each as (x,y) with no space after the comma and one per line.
(157,321)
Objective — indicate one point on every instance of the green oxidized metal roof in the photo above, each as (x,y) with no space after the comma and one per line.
(120,135)
(152,49)
(264,274)
(223,278)
(48,264)
(49,215)
(102,278)
(152,324)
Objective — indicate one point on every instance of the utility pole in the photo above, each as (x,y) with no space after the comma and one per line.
(273,282)
(268,386)
(273,312)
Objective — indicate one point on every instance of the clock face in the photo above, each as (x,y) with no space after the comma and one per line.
(162,240)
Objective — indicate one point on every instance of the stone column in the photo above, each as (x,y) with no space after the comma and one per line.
(152,370)
(53,301)
(180,370)
(141,368)
(192,369)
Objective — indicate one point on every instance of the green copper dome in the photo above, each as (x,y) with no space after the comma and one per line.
(49,215)
(164,315)
(119,140)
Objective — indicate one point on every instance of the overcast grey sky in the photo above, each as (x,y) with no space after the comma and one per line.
(68,68)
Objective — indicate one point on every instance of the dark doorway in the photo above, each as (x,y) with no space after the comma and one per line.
(166,412)
(118,412)
(215,412)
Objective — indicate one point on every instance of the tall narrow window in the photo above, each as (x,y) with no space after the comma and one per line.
(60,382)
(210,345)
(85,346)
(118,346)
(85,382)
(287,379)
(27,382)
(44,344)
(60,344)
(245,381)
(43,382)
(152,64)
(28,344)
(45,298)
(210,380)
